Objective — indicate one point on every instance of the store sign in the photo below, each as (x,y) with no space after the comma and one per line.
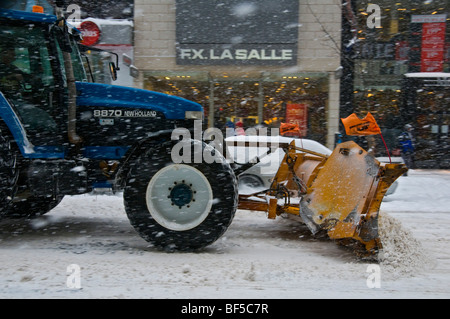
(434,18)
(238,55)
(378,50)
(428,48)
(298,114)
(91,33)
(250,32)
(433,47)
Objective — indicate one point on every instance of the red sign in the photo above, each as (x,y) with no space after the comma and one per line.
(433,47)
(91,33)
(298,114)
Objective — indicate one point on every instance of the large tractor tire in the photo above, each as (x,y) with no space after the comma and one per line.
(8,173)
(180,207)
(33,206)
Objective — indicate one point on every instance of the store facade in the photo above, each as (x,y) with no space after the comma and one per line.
(401,73)
(259,62)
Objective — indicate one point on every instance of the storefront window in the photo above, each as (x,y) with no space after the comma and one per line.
(256,102)
(193,86)
(306,93)
(236,101)
(429,100)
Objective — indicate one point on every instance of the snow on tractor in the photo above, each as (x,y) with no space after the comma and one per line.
(62,135)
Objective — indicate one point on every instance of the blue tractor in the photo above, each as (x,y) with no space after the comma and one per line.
(62,135)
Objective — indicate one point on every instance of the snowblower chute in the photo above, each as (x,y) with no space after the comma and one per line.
(340,194)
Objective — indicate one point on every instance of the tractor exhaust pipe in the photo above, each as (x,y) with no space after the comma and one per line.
(71,86)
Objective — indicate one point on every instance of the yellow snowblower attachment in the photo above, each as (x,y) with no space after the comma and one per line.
(340,194)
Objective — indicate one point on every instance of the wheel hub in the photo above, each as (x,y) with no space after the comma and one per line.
(181,195)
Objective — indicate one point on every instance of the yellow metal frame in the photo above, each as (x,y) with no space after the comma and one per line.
(340,194)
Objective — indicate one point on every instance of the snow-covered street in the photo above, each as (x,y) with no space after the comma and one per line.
(90,236)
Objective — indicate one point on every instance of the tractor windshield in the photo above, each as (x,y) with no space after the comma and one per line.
(69,43)
(77,62)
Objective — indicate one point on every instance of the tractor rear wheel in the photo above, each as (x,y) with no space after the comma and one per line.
(180,207)
(8,173)
(33,206)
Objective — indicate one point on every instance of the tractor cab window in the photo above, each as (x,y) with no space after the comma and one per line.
(27,79)
(61,42)
(78,66)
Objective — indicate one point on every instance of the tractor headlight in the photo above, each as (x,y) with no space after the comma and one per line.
(194,115)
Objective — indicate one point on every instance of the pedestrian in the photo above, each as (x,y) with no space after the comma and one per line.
(230,128)
(407,147)
(240,129)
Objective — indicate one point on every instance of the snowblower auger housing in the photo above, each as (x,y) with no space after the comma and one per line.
(340,194)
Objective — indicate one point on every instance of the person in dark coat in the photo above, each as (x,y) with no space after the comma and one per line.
(407,147)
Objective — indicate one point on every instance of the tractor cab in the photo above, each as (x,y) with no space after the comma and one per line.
(33,75)
(45,85)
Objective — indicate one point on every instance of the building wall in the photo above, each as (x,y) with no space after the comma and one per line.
(318,52)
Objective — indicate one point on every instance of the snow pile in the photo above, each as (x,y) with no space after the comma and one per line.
(402,254)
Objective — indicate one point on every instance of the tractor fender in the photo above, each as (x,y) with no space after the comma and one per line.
(10,118)
(154,140)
